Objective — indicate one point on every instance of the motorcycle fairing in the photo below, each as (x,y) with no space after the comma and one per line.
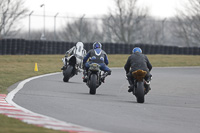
(139,75)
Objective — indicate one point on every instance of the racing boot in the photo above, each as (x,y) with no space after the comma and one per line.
(64,67)
(105,75)
(108,73)
(103,79)
(85,76)
(131,87)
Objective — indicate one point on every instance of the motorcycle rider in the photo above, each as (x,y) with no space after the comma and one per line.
(78,51)
(99,56)
(137,61)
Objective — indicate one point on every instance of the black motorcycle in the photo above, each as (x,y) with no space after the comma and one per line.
(94,77)
(70,69)
(140,86)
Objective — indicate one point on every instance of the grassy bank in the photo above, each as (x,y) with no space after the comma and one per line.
(158,60)
(15,68)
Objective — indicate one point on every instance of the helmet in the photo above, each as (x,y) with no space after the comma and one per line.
(79,44)
(137,49)
(97,45)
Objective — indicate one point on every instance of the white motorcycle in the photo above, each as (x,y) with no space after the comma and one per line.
(74,62)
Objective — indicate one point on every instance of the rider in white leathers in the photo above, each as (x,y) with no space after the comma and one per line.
(78,51)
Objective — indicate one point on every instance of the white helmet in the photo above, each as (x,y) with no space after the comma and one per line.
(79,44)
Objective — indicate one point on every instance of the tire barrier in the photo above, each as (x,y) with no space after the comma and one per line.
(22,47)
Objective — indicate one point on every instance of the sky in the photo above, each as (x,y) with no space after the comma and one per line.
(158,8)
(162,8)
(70,7)
(94,8)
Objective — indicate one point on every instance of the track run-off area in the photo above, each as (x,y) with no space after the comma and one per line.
(173,104)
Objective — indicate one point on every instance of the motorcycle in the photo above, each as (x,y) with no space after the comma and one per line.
(73,62)
(70,69)
(94,77)
(140,86)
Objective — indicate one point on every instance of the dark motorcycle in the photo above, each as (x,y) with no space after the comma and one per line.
(140,86)
(70,69)
(94,77)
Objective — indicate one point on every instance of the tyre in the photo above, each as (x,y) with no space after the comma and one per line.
(140,92)
(93,83)
(67,73)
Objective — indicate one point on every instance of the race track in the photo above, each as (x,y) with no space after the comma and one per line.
(172,106)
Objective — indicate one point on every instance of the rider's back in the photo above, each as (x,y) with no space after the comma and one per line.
(97,55)
(138,61)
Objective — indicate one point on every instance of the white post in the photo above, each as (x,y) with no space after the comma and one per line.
(29,35)
(43,35)
(55,37)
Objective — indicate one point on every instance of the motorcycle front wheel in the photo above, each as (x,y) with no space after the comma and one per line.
(93,84)
(67,73)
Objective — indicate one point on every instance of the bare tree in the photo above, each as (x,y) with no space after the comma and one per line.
(11,11)
(82,29)
(152,31)
(187,27)
(125,22)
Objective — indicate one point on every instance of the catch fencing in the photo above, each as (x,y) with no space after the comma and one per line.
(30,47)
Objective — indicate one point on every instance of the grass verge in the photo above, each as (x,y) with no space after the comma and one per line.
(11,125)
(159,60)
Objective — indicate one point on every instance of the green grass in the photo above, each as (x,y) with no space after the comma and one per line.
(174,60)
(11,125)
(15,68)
(19,67)
(159,60)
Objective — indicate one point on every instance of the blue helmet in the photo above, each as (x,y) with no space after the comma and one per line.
(97,45)
(137,49)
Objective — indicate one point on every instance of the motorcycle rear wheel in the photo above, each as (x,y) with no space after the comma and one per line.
(140,92)
(93,84)
(67,73)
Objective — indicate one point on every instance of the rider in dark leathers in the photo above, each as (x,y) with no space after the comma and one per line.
(135,62)
(96,55)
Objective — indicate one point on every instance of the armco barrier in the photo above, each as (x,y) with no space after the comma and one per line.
(21,47)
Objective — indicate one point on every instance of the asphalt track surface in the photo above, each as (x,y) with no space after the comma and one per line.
(172,106)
